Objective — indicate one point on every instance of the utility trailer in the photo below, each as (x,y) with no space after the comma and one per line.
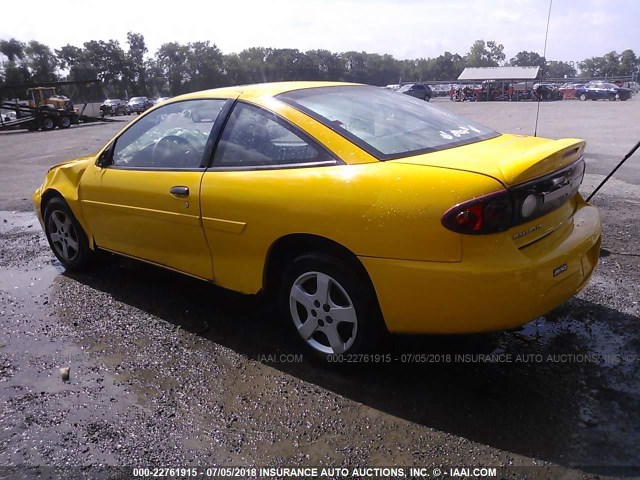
(45,109)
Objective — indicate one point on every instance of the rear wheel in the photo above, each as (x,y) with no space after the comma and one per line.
(331,307)
(48,123)
(64,122)
(65,236)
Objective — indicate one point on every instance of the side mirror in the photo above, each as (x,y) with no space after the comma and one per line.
(104,160)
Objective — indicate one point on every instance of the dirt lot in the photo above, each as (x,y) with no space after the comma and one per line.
(166,371)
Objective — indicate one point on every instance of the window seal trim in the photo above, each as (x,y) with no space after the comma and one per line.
(280,166)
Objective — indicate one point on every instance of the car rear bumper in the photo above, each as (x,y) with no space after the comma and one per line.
(488,293)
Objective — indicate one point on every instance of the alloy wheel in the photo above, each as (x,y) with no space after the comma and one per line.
(323,313)
(63,235)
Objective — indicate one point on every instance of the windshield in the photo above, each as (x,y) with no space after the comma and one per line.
(383,123)
(405,88)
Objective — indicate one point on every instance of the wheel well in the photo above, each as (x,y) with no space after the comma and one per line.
(47,197)
(291,246)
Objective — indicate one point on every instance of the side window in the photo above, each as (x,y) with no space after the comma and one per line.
(173,136)
(254,137)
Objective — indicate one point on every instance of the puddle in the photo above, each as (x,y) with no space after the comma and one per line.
(166,368)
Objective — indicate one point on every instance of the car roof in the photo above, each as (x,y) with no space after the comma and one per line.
(257,90)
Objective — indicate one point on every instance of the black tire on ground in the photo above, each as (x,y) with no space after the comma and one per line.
(195,117)
(66,236)
(64,122)
(48,123)
(341,318)
(582,97)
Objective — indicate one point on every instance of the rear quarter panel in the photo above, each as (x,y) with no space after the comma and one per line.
(378,210)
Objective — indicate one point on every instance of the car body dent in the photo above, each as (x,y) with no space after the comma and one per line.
(64,179)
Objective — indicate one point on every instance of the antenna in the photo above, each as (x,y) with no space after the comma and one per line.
(544,56)
(626,157)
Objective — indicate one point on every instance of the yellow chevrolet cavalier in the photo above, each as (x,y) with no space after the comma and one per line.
(359,209)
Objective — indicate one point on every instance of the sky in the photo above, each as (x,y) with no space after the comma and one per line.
(406,29)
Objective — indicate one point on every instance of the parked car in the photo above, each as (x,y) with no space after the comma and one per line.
(602,91)
(356,209)
(114,106)
(417,90)
(9,116)
(139,104)
(546,91)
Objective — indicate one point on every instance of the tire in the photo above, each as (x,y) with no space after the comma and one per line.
(195,117)
(313,312)
(427,98)
(64,122)
(582,97)
(48,123)
(66,237)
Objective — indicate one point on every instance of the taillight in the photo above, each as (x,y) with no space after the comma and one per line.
(502,210)
(487,214)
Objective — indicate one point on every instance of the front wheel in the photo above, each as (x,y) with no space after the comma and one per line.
(331,307)
(65,236)
(583,97)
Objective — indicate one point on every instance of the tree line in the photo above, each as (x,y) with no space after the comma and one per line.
(177,68)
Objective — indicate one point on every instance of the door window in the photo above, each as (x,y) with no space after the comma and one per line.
(254,137)
(172,136)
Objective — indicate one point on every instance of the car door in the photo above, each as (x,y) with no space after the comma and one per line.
(419,91)
(143,197)
(598,91)
(246,194)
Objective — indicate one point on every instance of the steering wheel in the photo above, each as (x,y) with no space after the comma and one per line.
(174,151)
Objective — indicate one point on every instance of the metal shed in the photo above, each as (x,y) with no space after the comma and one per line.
(491,75)
(499,73)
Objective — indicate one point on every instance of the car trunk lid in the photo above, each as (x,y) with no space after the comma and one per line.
(510,159)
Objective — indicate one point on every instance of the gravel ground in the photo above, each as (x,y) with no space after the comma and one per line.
(167,371)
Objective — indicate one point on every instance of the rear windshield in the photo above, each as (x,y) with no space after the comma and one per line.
(386,124)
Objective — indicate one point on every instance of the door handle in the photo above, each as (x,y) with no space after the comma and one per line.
(179,191)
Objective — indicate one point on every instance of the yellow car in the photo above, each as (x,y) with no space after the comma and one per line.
(359,209)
